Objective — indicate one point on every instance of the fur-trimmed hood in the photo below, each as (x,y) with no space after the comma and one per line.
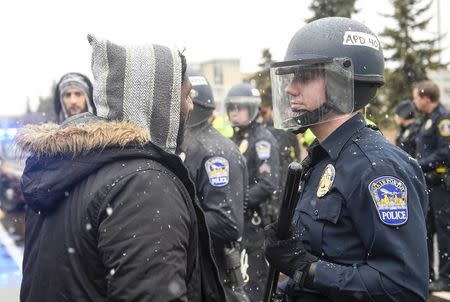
(63,156)
(52,139)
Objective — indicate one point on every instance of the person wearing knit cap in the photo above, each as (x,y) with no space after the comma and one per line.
(73,95)
(405,119)
(112,213)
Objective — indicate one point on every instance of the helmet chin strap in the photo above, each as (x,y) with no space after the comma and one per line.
(308,118)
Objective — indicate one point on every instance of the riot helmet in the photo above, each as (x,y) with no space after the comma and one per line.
(333,67)
(202,97)
(242,104)
(405,109)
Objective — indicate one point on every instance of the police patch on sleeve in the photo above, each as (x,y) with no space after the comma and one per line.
(218,171)
(444,127)
(263,149)
(390,197)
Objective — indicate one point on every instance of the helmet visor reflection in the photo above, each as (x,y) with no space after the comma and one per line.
(307,92)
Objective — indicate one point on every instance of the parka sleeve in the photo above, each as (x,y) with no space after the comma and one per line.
(143,240)
(396,264)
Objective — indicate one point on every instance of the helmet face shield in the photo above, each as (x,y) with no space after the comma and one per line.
(242,110)
(311,91)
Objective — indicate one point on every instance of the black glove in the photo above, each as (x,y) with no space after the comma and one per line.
(288,256)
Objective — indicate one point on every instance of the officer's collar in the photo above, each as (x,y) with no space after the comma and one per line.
(439,108)
(334,143)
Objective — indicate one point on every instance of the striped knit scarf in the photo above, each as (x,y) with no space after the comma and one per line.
(139,84)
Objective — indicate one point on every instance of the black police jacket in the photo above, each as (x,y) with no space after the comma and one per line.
(362,212)
(289,149)
(219,173)
(433,139)
(109,221)
(261,152)
(406,139)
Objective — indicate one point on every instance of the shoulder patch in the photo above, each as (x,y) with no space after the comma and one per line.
(444,127)
(218,170)
(263,149)
(389,195)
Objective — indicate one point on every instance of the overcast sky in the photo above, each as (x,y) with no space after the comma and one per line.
(43,39)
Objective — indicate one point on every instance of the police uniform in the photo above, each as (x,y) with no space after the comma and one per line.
(360,217)
(362,213)
(289,149)
(260,150)
(406,139)
(433,154)
(219,173)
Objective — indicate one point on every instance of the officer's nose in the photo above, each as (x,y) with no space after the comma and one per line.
(292,89)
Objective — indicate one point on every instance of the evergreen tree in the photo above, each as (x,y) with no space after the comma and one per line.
(409,50)
(262,77)
(46,104)
(332,8)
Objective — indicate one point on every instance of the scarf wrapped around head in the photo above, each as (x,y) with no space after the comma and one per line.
(139,84)
(72,80)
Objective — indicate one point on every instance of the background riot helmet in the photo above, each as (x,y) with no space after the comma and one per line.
(350,58)
(202,97)
(242,98)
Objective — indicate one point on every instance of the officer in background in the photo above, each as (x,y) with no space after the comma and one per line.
(358,230)
(288,143)
(433,155)
(219,173)
(260,150)
(405,119)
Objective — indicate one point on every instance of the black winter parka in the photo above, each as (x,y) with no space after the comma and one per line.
(111,217)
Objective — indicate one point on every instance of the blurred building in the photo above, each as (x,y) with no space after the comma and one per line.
(442,79)
(222,74)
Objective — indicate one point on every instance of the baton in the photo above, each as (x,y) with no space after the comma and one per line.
(288,204)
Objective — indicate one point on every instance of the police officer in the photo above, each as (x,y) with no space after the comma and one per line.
(260,150)
(432,143)
(359,225)
(220,175)
(405,119)
(287,141)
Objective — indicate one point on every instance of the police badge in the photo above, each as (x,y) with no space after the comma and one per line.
(326,181)
(243,146)
(428,124)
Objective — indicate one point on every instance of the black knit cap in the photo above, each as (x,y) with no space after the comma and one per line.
(405,109)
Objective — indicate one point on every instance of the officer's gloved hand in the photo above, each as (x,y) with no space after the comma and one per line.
(288,256)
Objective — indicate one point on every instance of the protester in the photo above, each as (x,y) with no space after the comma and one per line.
(112,214)
(73,95)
